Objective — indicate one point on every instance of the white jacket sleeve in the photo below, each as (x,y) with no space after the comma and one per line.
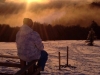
(37,41)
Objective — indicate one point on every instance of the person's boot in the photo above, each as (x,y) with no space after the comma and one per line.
(38,71)
(91,44)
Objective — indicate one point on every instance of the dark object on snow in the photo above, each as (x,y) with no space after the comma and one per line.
(91,37)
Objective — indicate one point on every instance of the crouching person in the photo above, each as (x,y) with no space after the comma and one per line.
(91,37)
(30,46)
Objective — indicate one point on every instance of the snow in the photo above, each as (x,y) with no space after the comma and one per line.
(85,58)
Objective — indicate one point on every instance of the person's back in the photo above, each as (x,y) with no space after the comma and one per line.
(26,40)
(91,36)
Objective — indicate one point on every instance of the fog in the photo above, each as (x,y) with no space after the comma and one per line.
(64,12)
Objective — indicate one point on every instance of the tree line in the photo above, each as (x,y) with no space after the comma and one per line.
(50,32)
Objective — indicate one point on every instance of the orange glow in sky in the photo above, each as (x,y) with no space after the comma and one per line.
(70,12)
(38,1)
(30,1)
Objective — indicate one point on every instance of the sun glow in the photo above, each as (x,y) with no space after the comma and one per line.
(29,1)
(36,1)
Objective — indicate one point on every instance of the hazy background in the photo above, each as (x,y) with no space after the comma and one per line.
(65,12)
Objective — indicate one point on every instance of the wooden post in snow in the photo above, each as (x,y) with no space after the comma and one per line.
(67,55)
(59,60)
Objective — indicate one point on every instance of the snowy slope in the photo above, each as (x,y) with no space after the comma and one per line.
(85,58)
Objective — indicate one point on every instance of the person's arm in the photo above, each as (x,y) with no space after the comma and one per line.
(88,36)
(37,41)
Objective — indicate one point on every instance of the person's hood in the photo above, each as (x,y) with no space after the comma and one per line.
(25,29)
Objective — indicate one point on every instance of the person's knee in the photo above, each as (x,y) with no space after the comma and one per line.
(44,53)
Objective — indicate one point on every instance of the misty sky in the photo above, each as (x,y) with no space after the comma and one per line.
(65,12)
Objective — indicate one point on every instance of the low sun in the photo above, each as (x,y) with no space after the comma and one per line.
(29,1)
(36,1)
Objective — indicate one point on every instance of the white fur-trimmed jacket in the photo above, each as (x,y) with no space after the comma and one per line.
(29,44)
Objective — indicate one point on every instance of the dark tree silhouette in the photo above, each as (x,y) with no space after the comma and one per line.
(49,32)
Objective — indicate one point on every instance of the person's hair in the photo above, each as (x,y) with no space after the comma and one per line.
(27,21)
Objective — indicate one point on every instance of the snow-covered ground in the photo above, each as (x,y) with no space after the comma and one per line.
(85,58)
